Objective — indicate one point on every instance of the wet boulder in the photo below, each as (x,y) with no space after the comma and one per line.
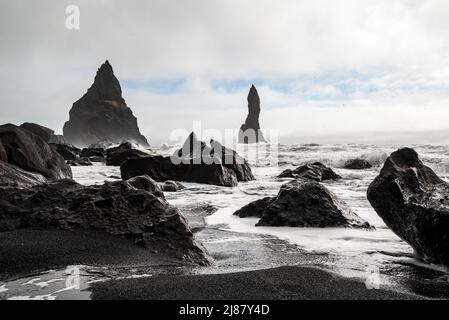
(117,208)
(24,149)
(80,162)
(315,171)
(13,176)
(303,203)
(357,164)
(68,152)
(93,153)
(116,156)
(172,186)
(414,203)
(43,132)
(147,184)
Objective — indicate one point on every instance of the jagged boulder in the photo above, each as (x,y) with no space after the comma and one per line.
(13,176)
(414,203)
(303,203)
(102,114)
(116,156)
(116,208)
(313,171)
(80,162)
(250,131)
(29,152)
(357,164)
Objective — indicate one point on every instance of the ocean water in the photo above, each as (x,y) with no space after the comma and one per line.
(378,257)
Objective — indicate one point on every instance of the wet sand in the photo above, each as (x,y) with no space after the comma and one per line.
(283,283)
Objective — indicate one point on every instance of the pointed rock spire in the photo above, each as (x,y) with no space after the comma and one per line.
(102,115)
(250,130)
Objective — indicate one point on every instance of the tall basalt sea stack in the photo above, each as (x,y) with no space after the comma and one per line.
(250,130)
(102,115)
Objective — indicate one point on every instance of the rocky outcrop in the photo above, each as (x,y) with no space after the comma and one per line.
(43,132)
(172,186)
(313,171)
(162,169)
(414,203)
(357,164)
(250,131)
(80,162)
(29,152)
(68,152)
(94,154)
(303,203)
(102,114)
(117,208)
(230,159)
(116,156)
(147,184)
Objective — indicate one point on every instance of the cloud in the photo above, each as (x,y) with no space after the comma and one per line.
(321,67)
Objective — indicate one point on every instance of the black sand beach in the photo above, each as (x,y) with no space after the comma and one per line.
(284,283)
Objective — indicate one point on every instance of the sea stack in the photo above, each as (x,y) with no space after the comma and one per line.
(250,130)
(102,115)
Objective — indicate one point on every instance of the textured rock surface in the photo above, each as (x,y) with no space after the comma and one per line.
(303,204)
(116,156)
(102,114)
(250,131)
(314,171)
(80,162)
(68,152)
(29,152)
(172,186)
(116,208)
(414,203)
(43,132)
(357,164)
(11,175)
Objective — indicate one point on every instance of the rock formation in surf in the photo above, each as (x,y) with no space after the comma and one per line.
(250,131)
(303,203)
(414,203)
(102,114)
(315,171)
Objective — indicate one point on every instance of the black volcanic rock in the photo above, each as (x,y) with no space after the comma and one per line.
(116,156)
(29,152)
(102,114)
(231,159)
(315,171)
(68,152)
(414,203)
(162,169)
(357,164)
(80,162)
(255,208)
(93,152)
(172,186)
(116,208)
(303,203)
(43,132)
(250,131)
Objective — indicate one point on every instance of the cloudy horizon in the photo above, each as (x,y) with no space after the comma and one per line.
(327,71)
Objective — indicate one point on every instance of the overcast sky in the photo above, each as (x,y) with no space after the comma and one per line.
(325,69)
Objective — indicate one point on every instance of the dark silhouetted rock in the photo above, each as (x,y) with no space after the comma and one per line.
(80,162)
(147,184)
(116,208)
(68,152)
(303,203)
(94,154)
(230,159)
(357,164)
(118,155)
(13,176)
(29,152)
(250,131)
(172,186)
(102,114)
(162,169)
(43,132)
(414,203)
(314,171)
(255,208)
(57,139)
